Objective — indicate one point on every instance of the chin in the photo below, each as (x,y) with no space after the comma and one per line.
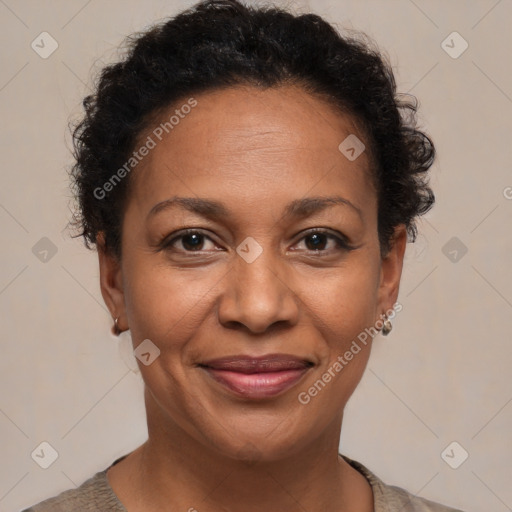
(266,445)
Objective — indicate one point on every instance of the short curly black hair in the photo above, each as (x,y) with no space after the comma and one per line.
(224,43)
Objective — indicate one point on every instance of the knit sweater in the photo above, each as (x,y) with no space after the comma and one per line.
(95,494)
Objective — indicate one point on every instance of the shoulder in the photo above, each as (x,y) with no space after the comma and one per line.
(397,497)
(389,498)
(95,494)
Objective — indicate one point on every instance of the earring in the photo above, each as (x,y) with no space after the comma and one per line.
(115,329)
(387,326)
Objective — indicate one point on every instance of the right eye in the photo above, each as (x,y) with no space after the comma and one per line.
(190,241)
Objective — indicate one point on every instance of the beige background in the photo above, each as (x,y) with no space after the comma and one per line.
(443,375)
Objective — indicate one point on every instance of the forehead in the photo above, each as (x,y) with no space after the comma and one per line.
(252,144)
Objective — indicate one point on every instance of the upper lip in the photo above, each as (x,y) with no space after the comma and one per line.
(261,364)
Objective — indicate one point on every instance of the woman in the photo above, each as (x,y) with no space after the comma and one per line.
(250,182)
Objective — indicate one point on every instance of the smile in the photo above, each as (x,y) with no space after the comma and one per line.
(257,378)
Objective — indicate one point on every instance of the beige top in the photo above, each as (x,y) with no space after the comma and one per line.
(96,495)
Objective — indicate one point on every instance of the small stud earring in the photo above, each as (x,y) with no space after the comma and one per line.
(115,329)
(387,326)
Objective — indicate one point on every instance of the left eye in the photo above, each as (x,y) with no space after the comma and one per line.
(318,241)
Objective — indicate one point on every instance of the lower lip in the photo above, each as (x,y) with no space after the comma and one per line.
(257,385)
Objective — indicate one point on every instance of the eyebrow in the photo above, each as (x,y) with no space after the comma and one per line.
(299,208)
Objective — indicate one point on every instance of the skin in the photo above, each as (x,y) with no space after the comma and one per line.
(207,449)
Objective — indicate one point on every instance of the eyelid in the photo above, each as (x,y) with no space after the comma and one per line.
(169,241)
(341,240)
(326,231)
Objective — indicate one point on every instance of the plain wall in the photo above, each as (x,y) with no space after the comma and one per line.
(442,375)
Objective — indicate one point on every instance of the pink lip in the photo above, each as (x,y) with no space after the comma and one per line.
(257,377)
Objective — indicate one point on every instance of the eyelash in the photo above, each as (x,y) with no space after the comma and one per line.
(341,244)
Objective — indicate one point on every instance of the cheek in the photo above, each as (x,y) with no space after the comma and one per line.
(345,302)
(167,306)
(345,308)
(164,304)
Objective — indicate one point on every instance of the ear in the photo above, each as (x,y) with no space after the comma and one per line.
(111,282)
(391,270)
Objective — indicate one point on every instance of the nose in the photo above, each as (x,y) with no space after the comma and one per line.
(258,295)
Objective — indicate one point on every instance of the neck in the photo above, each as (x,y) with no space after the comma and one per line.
(173,470)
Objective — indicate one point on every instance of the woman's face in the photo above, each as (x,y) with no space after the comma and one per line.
(279,274)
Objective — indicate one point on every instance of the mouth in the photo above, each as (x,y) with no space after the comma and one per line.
(257,377)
